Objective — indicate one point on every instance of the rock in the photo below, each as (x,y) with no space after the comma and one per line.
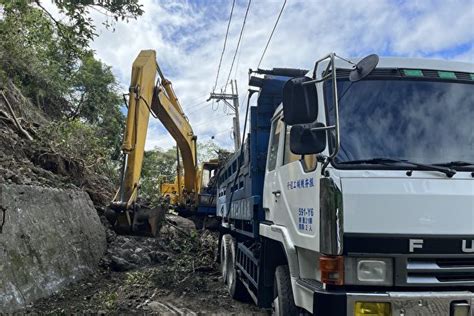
(120,264)
(135,258)
(50,238)
(181,222)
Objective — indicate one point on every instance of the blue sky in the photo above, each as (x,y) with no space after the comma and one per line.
(188,37)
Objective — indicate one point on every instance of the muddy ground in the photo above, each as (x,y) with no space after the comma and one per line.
(173,274)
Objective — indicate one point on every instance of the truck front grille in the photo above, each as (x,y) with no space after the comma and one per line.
(435,271)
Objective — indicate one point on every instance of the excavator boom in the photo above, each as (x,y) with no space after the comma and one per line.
(147,97)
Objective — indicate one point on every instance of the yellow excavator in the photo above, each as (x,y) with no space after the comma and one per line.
(152,94)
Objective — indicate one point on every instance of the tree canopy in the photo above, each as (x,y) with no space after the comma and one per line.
(50,61)
(77,28)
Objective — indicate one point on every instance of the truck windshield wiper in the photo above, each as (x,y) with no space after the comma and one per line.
(390,161)
(457,163)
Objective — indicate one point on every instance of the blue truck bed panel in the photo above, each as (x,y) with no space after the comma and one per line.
(240,181)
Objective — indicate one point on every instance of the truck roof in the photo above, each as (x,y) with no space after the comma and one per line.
(413,63)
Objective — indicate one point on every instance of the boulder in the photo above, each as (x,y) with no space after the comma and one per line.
(49,238)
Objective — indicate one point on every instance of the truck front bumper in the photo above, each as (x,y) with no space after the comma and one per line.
(442,303)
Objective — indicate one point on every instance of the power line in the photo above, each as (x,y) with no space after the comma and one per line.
(238,43)
(196,107)
(238,58)
(222,132)
(225,42)
(271,34)
(208,120)
(198,99)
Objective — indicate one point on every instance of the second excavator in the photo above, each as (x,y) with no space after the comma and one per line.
(191,192)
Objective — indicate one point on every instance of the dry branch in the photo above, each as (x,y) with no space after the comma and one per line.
(14,118)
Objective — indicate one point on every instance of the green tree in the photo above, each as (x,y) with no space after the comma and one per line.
(32,57)
(63,85)
(159,166)
(77,30)
(207,150)
(94,92)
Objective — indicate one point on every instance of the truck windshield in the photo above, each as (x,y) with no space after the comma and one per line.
(430,122)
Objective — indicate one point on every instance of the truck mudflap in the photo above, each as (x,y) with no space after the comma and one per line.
(442,303)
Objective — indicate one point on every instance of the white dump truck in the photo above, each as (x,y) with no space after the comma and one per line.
(353,193)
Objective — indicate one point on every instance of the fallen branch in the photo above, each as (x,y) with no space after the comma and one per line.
(204,269)
(4,116)
(13,116)
(185,279)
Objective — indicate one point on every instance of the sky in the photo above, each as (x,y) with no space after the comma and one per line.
(188,37)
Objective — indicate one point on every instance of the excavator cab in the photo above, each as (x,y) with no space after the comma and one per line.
(208,188)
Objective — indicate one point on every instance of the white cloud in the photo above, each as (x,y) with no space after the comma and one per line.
(188,38)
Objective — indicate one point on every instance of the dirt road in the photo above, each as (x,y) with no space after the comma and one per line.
(137,292)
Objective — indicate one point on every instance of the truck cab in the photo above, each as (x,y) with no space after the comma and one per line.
(367,206)
(386,226)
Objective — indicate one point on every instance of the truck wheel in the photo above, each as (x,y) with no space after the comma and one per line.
(225,255)
(283,303)
(235,286)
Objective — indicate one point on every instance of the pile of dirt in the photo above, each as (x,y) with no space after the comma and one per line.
(175,273)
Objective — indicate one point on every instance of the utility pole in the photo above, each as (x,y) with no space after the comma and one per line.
(234,106)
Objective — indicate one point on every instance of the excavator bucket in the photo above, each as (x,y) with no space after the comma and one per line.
(144,221)
(148,222)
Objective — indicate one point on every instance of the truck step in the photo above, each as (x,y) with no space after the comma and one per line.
(310,284)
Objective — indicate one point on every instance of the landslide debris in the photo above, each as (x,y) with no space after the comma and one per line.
(142,275)
(50,157)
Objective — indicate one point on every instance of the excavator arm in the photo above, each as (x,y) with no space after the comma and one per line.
(141,92)
(147,96)
(169,111)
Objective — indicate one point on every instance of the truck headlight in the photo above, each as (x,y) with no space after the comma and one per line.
(369,271)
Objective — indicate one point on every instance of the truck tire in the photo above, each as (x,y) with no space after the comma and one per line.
(283,302)
(225,254)
(237,289)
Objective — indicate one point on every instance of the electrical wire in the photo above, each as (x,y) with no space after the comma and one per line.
(197,100)
(208,121)
(271,34)
(238,57)
(224,131)
(225,42)
(238,42)
(196,107)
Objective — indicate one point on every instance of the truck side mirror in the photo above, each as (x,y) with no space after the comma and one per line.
(300,101)
(305,140)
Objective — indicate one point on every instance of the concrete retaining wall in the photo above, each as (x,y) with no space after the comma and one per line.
(49,238)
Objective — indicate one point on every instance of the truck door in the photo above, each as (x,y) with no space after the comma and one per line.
(298,211)
(272,190)
(291,194)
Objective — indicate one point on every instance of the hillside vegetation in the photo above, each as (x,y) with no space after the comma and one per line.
(60,107)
